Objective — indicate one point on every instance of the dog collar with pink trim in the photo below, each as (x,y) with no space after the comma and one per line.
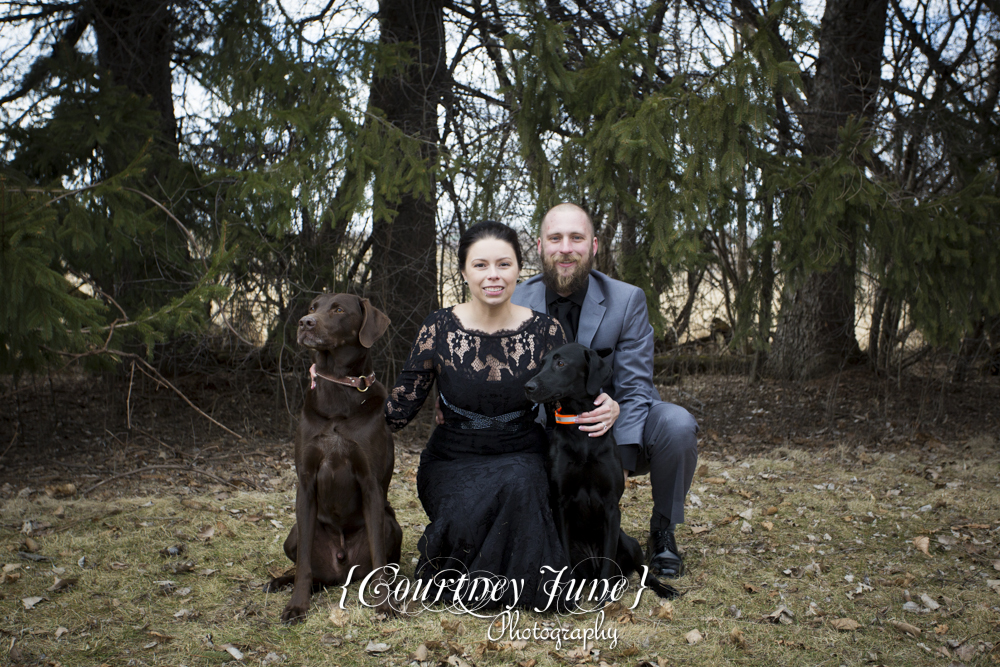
(361,383)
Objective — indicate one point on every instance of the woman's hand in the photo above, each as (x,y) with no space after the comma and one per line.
(599,421)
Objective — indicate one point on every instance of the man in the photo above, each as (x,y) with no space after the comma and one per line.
(599,312)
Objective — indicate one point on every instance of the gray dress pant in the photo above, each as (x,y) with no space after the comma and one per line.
(669,453)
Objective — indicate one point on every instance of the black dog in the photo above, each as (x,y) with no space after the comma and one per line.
(585,473)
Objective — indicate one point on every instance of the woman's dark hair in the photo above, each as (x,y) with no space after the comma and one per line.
(488,229)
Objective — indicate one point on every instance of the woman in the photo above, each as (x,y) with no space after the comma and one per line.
(482,478)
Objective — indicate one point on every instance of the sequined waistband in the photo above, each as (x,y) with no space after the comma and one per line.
(509,421)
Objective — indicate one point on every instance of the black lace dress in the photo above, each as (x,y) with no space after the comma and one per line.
(482,479)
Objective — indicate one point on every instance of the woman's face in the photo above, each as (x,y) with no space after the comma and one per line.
(491,270)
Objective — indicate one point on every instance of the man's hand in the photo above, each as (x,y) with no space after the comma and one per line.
(599,421)
(438,414)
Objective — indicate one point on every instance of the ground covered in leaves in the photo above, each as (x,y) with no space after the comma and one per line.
(852,520)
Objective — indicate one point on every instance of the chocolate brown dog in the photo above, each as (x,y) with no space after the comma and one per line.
(343,455)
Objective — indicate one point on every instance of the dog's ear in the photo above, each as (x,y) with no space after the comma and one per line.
(374,325)
(598,372)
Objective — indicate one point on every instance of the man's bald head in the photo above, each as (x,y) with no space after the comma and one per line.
(567,210)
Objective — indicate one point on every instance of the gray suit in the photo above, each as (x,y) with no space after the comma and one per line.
(614,317)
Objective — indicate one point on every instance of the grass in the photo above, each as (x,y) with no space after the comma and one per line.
(825,534)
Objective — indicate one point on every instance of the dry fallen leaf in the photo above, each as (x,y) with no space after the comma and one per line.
(768,525)
(781,615)
(421,654)
(905,628)
(233,651)
(60,631)
(966,652)
(377,647)
(664,611)
(29,603)
(715,480)
(61,584)
(738,639)
(929,602)
(994,584)
(693,637)
(940,629)
(452,626)
(844,624)
(922,543)
(339,617)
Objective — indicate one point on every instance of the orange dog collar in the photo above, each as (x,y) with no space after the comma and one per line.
(565,419)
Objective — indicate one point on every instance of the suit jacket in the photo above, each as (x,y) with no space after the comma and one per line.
(613,316)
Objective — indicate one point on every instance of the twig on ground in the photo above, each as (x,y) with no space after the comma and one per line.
(12,441)
(151,373)
(158,467)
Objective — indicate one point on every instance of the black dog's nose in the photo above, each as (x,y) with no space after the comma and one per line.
(530,386)
(307,322)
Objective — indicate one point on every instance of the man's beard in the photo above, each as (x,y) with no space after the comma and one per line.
(566,284)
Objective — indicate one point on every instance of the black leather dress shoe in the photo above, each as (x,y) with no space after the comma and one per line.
(664,558)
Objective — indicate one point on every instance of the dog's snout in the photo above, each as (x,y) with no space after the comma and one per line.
(530,386)
(307,322)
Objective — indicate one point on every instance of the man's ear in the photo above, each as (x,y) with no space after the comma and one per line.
(598,374)
(374,325)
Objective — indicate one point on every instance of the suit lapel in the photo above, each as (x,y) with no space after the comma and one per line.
(535,297)
(591,313)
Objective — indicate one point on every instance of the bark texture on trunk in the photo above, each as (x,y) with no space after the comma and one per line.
(404,250)
(815,333)
(135,43)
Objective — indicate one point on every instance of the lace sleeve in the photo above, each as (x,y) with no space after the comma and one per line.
(414,382)
(555,337)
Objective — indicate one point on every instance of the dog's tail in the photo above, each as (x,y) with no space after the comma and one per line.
(665,591)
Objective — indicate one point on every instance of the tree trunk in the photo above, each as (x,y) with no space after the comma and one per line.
(404,249)
(815,332)
(135,44)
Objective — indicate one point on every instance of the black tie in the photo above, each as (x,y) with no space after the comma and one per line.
(563,308)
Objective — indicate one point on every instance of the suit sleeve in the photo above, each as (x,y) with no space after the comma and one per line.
(633,377)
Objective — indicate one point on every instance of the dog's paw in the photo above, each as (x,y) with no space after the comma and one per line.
(294,613)
(386,611)
(277,584)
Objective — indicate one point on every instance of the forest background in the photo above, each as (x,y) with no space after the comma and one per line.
(180,178)
(806,191)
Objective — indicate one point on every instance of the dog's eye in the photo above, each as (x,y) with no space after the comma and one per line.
(560,363)
(337,309)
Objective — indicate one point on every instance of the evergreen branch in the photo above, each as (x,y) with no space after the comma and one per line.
(187,232)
